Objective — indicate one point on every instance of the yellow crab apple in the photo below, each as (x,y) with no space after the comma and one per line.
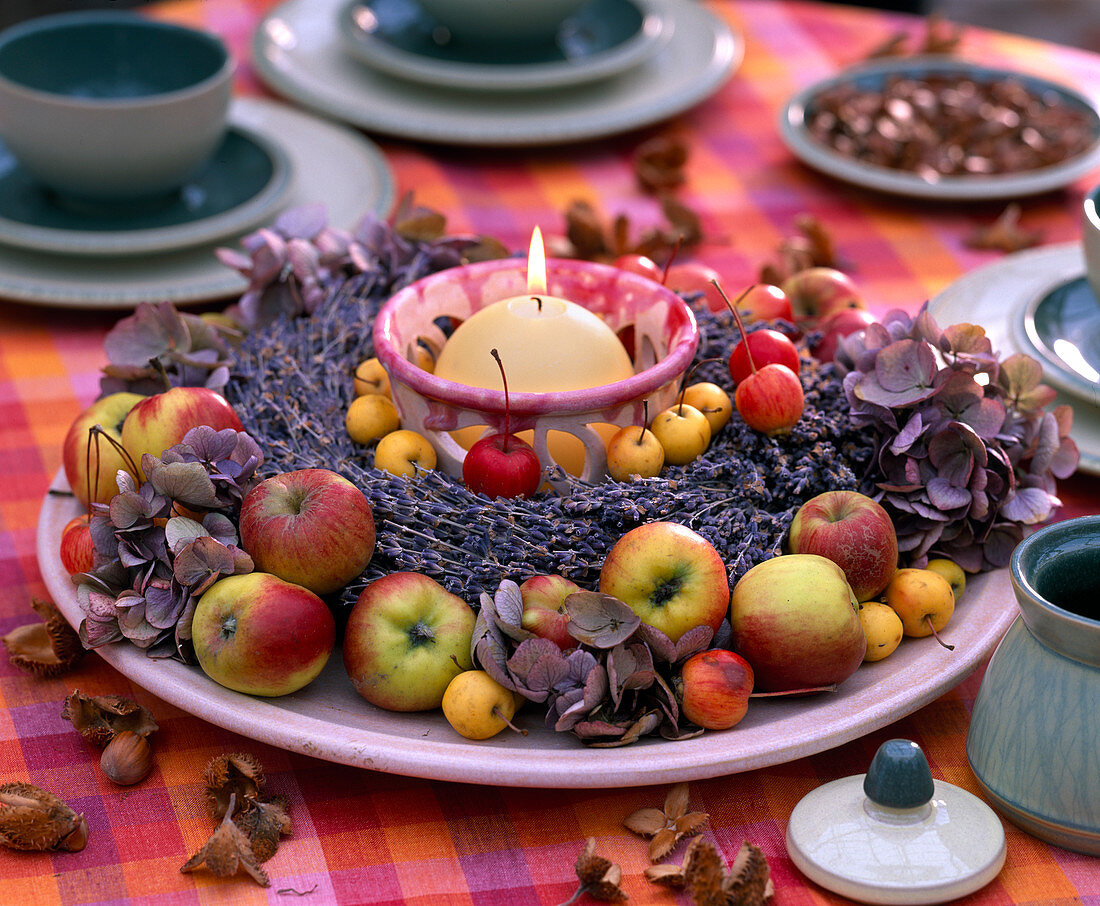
(922,599)
(405,452)
(370,418)
(477,706)
(952,572)
(712,401)
(882,627)
(634,450)
(684,433)
(371,377)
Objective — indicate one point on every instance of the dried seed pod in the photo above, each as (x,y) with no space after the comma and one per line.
(238,773)
(101,718)
(33,819)
(45,649)
(127,759)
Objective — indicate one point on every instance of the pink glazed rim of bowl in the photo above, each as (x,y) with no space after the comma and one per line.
(562,274)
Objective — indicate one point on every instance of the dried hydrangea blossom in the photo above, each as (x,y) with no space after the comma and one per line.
(966,452)
(47,648)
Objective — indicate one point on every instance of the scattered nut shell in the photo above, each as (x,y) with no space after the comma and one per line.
(127,759)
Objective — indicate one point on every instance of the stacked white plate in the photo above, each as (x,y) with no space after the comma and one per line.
(273,158)
(385,66)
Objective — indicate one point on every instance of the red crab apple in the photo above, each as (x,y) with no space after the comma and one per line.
(158,422)
(716,687)
(92,462)
(502,465)
(853,531)
(543,599)
(768,347)
(670,576)
(312,527)
(836,327)
(817,292)
(407,637)
(77,550)
(259,634)
(693,277)
(795,619)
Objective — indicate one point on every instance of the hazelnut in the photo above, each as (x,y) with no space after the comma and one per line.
(127,759)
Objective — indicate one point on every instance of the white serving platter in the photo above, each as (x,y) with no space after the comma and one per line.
(328,720)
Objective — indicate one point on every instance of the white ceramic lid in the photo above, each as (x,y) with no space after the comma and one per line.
(951,845)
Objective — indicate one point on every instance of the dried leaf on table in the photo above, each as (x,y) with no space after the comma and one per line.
(100,718)
(600,878)
(34,819)
(893,46)
(942,36)
(585,231)
(48,648)
(659,163)
(668,825)
(819,243)
(413,221)
(1005,234)
(228,851)
(237,774)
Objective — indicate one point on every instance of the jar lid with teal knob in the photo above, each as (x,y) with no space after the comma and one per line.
(895,835)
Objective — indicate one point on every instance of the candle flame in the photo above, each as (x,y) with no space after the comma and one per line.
(536,265)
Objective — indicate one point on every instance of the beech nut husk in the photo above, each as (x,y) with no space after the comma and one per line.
(127,759)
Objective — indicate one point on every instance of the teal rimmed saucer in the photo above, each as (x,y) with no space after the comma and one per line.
(1061,327)
(603,39)
(241,185)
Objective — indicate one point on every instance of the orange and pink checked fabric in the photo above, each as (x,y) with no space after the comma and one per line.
(361,837)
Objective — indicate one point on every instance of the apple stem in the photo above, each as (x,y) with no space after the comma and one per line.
(99,431)
(645,421)
(737,317)
(671,257)
(504,378)
(936,635)
(496,710)
(806,691)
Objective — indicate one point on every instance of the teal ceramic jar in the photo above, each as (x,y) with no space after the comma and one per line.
(1034,739)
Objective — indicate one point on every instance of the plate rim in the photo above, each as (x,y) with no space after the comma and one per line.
(896,182)
(33,278)
(655,30)
(1027,333)
(426,747)
(1025,273)
(125,242)
(273,43)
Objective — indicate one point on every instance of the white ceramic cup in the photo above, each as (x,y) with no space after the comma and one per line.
(110,106)
(496,20)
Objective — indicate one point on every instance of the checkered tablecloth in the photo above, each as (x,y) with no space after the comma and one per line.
(366,837)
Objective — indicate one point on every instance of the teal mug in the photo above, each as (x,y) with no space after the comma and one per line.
(1034,737)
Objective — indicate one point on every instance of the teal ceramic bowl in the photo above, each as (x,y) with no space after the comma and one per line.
(109,105)
(501,20)
(1034,738)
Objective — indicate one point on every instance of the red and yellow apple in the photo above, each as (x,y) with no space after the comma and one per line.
(91,462)
(669,575)
(160,421)
(796,620)
(543,608)
(258,634)
(853,531)
(715,688)
(407,637)
(312,527)
(817,292)
(77,549)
